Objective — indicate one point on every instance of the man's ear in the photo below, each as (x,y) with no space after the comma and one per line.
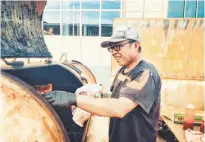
(137,46)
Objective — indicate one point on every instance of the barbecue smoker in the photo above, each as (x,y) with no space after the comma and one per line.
(24,113)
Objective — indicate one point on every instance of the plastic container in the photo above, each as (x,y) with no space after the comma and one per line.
(189,117)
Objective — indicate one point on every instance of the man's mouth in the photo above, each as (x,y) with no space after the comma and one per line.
(117,58)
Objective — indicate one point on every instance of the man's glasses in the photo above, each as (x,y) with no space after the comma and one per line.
(117,47)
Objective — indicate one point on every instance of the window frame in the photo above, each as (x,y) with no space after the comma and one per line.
(81,10)
(53,10)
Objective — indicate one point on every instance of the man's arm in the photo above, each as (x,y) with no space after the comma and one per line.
(108,107)
(139,91)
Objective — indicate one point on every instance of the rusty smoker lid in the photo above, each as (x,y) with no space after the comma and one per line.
(21,31)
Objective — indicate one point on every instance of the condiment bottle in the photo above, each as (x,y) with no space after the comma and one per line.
(189,117)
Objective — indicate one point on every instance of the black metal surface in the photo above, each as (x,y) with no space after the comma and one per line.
(62,78)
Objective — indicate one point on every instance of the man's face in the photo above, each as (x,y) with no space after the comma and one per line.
(127,53)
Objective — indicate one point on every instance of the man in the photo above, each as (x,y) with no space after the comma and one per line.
(135,103)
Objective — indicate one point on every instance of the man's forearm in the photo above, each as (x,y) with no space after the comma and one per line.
(98,106)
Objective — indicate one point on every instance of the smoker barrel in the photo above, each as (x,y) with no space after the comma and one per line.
(62,77)
(25,115)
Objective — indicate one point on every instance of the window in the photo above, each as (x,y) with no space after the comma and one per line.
(186,9)
(176,9)
(71,4)
(110,4)
(71,23)
(51,23)
(53,5)
(90,23)
(190,9)
(200,13)
(94,4)
(106,26)
(80,17)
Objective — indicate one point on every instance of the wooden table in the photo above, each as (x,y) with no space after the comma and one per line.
(177,129)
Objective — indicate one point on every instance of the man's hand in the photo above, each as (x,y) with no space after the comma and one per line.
(60,98)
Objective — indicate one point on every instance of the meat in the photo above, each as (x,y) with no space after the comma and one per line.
(43,88)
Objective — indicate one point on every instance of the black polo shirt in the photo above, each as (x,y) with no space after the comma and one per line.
(141,85)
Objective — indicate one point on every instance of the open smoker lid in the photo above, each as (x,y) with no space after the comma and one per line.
(21,30)
(26,115)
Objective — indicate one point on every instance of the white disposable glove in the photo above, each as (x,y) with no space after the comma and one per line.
(91,90)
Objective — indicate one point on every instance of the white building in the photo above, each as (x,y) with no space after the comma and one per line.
(79,26)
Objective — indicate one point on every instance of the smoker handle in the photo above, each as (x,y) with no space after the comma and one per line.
(78,71)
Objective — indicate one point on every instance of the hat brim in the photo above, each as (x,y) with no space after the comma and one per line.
(106,44)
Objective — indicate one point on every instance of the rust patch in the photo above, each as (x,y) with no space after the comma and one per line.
(13,96)
(175,24)
(194,25)
(186,23)
(201,23)
(166,27)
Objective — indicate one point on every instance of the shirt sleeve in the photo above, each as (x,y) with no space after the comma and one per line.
(141,90)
